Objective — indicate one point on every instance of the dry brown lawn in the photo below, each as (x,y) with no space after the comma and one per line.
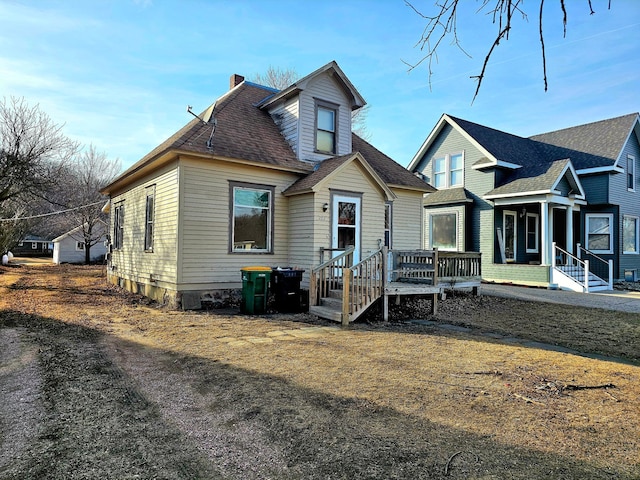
(96,383)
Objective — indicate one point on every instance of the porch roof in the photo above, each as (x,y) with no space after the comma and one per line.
(541,178)
(448,196)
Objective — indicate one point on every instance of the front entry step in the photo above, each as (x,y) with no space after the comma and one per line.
(328,312)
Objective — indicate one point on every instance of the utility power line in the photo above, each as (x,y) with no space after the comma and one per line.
(49,214)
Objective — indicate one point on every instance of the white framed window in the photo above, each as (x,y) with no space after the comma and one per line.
(251,218)
(444,230)
(630,235)
(448,171)
(80,246)
(631,173)
(34,245)
(532,227)
(509,223)
(387,224)
(599,232)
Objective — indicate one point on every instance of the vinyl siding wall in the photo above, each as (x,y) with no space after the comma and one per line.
(406,215)
(287,117)
(205,261)
(323,88)
(629,203)
(476,182)
(131,262)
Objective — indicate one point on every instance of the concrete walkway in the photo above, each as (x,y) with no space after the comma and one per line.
(620,300)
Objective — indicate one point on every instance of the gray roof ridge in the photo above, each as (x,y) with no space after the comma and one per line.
(582,125)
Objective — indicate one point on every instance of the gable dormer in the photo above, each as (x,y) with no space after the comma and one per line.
(314,113)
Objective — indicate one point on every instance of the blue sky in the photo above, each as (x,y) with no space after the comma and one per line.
(120,74)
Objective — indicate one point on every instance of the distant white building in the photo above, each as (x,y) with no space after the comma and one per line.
(70,247)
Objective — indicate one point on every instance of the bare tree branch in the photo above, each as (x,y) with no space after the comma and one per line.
(443,24)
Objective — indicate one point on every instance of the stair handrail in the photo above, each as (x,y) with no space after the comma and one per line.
(576,266)
(326,272)
(364,284)
(605,265)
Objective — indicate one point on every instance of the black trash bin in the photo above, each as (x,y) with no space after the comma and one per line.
(285,284)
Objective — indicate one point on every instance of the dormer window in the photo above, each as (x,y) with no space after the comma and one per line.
(326,127)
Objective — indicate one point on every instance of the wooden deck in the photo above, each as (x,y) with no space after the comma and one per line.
(400,289)
(388,273)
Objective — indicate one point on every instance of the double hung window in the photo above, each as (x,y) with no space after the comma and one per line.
(251,218)
(326,127)
(448,171)
(118,225)
(599,234)
(149,218)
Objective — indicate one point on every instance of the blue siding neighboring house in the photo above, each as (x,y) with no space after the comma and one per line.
(533,204)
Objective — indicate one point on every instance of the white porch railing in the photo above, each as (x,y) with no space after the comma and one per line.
(572,273)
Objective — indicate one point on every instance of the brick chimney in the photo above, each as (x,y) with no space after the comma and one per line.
(235,80)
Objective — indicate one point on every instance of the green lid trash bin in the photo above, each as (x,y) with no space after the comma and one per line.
(255,289)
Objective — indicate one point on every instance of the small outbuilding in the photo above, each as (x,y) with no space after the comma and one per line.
(70,247)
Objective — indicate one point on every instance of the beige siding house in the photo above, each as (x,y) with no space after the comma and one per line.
(261,177)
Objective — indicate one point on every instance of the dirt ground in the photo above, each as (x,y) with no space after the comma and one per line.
(97,383)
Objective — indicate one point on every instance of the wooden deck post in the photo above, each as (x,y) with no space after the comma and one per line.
(346,295)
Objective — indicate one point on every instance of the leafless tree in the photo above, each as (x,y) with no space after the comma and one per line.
(33,152)
(276,77)
(442,25)
(79,192)
(13,228)
(32,149)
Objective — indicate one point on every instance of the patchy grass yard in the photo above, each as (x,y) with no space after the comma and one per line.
(95,383)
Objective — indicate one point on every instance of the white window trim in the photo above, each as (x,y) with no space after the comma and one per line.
(588,218)
(514,214)
(447,170)
(78,243)
(637,245)
(526,233)
(633,172)
(440,213)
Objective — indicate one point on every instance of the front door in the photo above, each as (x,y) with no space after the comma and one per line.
(346,224)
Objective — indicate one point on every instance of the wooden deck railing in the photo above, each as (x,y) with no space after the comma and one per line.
(459,267)
(364,285)
(329,275)
(417,266)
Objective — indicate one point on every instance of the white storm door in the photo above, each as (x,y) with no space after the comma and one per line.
(345,231)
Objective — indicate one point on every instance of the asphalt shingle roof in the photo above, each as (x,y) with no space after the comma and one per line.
(603,139)
(247,133)
(448,196)
(592,145)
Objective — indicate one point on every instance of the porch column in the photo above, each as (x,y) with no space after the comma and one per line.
(545,243)
(570,229)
